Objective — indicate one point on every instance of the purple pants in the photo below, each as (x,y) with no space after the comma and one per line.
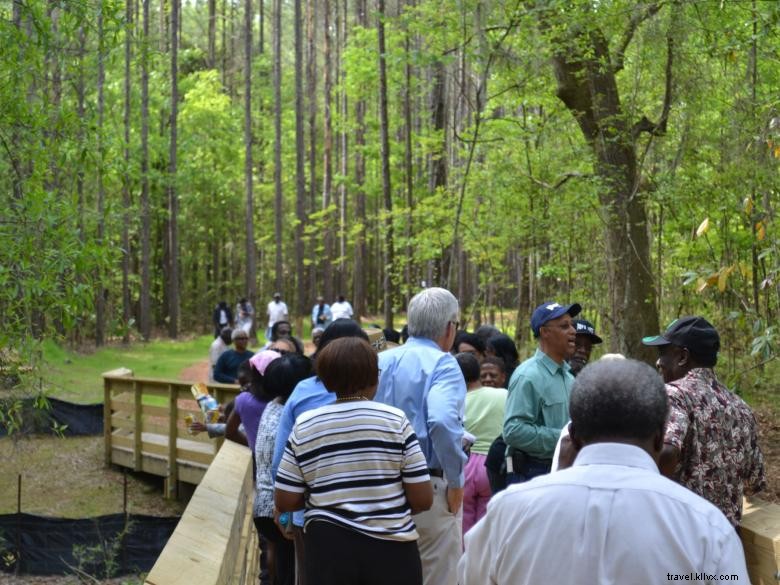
(476,491)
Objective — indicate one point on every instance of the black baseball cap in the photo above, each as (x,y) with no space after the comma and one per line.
(584,327)
(693,332)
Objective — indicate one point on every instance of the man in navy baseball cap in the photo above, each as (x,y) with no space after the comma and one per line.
(549,311)
(537,406)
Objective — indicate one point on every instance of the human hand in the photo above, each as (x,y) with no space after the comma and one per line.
(454,499)
(197,427)
(284,527)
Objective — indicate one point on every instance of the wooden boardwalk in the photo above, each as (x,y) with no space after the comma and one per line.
(145,430)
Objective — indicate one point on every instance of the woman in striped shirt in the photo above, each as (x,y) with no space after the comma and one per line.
(357,466)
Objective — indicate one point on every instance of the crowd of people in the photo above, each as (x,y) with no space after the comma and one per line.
(438,457)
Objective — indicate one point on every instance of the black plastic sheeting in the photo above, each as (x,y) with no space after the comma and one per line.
(79,419)
(47,546)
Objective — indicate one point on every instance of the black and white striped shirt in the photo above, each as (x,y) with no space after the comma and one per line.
(351,460)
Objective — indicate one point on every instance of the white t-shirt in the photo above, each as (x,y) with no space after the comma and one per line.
(276,312)
(341,310)
(610,518)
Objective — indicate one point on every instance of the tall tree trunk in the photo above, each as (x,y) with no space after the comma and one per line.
(408,172)
(327,156)
(251,262)
(587,85)
(173,197)
(387,193)
(213,33)
(361,248)
(341,42)
(300,166)
(100,299)
(261,35)
(311,93)
(145,304)
(126,309)
(277,41)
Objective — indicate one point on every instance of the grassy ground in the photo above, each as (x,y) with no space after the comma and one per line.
(76,377)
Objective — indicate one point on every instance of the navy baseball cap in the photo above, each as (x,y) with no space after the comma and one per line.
(695,333)
(551,310)
(584,327)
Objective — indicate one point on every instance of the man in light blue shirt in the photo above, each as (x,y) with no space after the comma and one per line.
(424,380)
(321,315)
(537,407)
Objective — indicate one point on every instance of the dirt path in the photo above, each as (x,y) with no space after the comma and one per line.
(198,372)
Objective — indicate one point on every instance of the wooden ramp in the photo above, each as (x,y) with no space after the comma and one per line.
(144,427)
(215,542)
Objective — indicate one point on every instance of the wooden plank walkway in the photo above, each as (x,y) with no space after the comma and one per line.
(145,430)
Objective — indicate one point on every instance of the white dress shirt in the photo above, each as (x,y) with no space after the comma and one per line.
(611,519)
(276,312)
(341,310)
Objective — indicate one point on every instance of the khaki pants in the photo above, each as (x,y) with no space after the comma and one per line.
(440,541)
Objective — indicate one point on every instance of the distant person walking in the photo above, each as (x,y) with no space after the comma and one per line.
(226,368)
(245,316)
(222,317)
(321,315)
(219,346)
(341,309)
(277,311)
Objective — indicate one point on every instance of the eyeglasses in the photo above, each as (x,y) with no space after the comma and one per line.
(456,324)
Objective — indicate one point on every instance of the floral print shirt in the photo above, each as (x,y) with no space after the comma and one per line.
(717,436)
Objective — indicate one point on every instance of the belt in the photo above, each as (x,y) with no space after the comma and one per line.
(435,472)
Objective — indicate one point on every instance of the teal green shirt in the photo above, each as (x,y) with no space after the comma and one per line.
(537,407)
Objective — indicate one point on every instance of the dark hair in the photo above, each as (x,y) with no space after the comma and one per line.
(618,399)
(338,329)
(391,335)
(492,360)
(348,366)
(485,332)
(275,329)
(244,368)
(404,333)
(503,347)
(473,340)
(283,374)
(469,365)
(227,335)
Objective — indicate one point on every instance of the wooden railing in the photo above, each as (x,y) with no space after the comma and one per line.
(215,542)
(144,427)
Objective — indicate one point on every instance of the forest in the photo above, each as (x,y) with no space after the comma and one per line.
(157,157)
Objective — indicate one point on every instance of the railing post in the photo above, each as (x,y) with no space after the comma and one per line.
(107,410)
(138,426)
(173,432)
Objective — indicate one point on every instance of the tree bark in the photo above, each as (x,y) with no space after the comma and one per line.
(277,42)
(387,193)
(300,165)
(126,309)
(251,256)
(145,308)
(361,248)
(311,91)
(100,299)
(173,197)
(212,34)
(327,156)
(587,86)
